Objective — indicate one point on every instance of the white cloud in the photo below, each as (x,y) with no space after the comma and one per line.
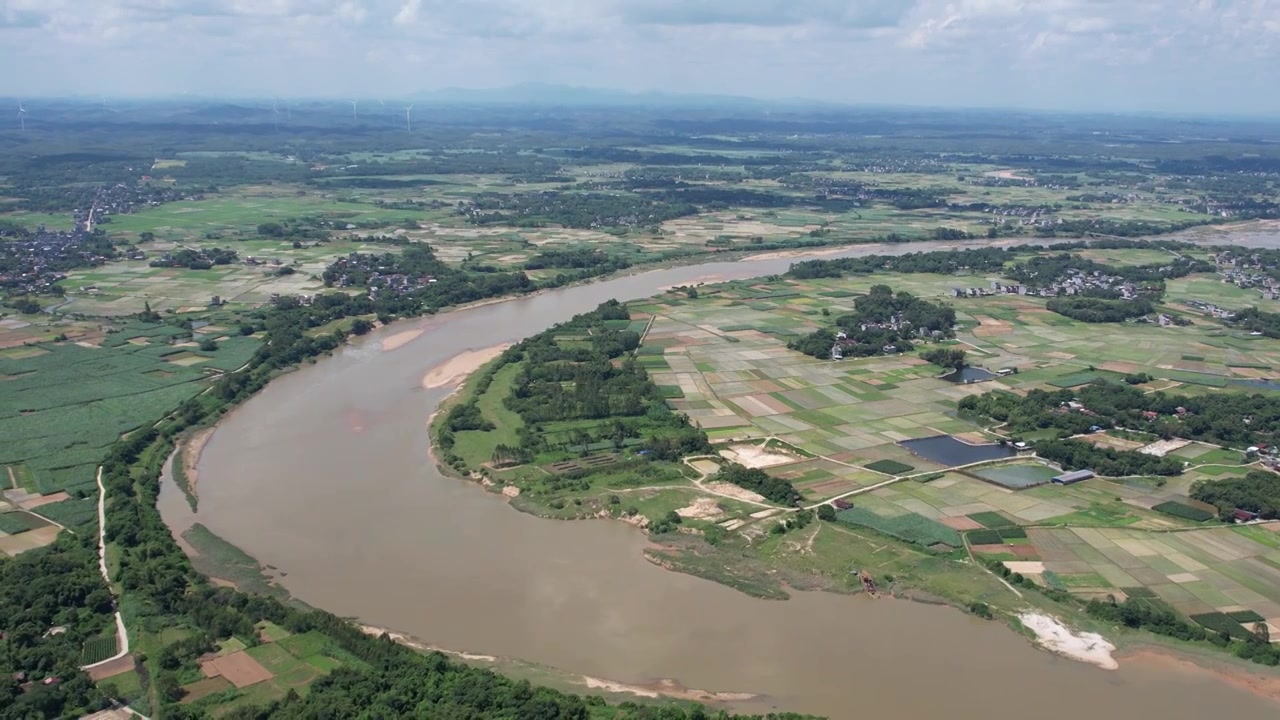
(1136,54)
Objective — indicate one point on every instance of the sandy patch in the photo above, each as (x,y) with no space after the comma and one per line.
(733,491)
(1160,448)
(1091,648)
(665,688)
(511,491)
(416,645)
(755,456)
(456,369)
(703,508)
(400,339)
(1025,567)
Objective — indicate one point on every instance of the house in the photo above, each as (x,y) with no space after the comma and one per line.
(1073,477)
(1243,515)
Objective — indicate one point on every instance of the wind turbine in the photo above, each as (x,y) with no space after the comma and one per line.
(408,120)
(22,112)
(275,114)
(354,115)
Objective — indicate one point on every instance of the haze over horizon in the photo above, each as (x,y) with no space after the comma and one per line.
(1205,57)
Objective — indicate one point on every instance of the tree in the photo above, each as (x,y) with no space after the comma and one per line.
(827,513)
(361,327)
(208,345)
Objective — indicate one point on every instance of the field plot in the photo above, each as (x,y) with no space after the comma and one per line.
(1229,570)
(264,672)
(727,355)
(55,426)
(123,286)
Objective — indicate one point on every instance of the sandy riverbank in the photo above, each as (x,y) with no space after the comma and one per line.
(400,339)
(1086,647)
(662,689)
(457,368)
(190,457)
(1267,686)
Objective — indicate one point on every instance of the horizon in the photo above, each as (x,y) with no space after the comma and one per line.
(1209,58)
(506,96)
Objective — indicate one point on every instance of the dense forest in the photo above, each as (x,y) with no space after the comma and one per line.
(1080,455)
(581,370)
(1227,418)
(758,481)
(881,322)
(1100,310)
(1258,492)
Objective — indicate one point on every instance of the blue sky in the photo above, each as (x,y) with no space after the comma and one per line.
(1198,56)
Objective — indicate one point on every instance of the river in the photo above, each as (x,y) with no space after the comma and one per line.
(325,475)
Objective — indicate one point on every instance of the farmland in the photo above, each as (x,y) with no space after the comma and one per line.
(57,427)
(839,433)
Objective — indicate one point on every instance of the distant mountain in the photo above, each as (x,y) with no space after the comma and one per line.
(568,95)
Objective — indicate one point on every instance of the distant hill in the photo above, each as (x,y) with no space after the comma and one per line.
(568,95)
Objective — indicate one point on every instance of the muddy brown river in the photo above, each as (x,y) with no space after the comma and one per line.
(326,476)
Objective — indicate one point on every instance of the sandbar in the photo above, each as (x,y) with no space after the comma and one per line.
(400,339)
(458,367)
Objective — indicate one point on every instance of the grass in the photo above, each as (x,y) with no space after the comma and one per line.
(477,447)
(910,527)
(74,513)
(13,523)
(218,558)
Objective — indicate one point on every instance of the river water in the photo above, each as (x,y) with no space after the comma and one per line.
(326,476)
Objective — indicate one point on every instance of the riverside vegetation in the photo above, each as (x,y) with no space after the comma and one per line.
(722,370)
(313,233)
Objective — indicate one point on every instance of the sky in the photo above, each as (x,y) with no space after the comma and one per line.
(1206,57)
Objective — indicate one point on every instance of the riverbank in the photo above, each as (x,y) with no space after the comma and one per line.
(545,583)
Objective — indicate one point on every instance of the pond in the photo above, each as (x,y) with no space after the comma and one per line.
(966,375)
(947,451)
(1017,477)
(1258,384)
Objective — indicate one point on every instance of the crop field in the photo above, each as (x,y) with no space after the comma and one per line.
(55,427)
(98,649)
(1230,570)
(726,353)
(122,287)
(268,671)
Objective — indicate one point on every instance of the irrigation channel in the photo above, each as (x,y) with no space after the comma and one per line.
(326,475)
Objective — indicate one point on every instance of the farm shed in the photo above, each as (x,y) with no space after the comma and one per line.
(1072,477)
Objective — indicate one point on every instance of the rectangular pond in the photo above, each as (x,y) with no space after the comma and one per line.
(947,451)
(1017,477)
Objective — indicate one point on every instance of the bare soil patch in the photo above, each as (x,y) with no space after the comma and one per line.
(110,669)
(460,366)
(756,456)
(703,508)
(34,501)
(238,668)
(733,491)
